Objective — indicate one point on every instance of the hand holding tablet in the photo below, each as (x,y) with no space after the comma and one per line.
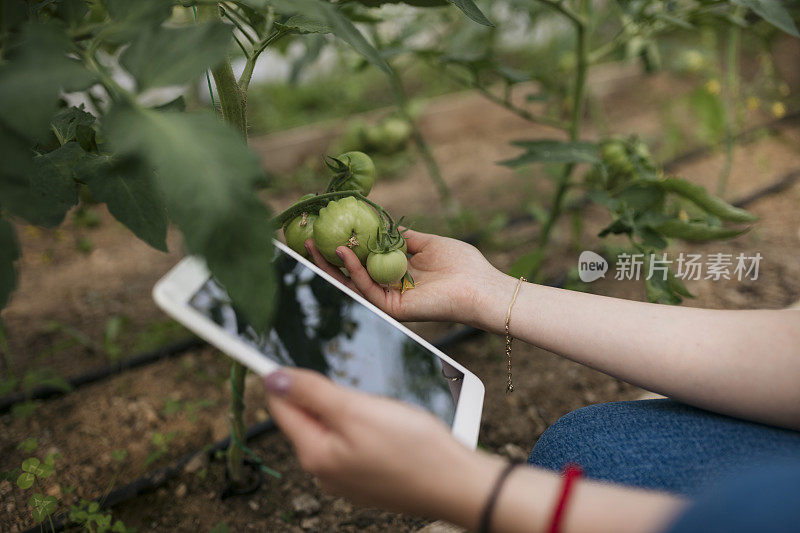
(322,325)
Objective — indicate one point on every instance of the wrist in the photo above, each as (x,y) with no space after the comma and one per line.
(491,305)
(467,488)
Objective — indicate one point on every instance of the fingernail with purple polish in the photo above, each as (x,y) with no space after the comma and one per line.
(278,382)
(308,248)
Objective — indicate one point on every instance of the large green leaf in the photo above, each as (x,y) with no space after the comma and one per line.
(37,71)
(773,12)
(468,7)
(130,18)
(696,231)
(705,200)
(128,189)
(329,15)
(45,194)
(9,252)
(471,10)
(174,56)
(552,151)
(302,25)
(206,175)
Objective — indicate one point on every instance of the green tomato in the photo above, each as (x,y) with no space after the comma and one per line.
(298,231)
(620,167)
(362,169)
(387,268)
(345,222)
(396,132)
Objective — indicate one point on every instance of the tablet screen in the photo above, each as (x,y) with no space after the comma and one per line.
(318,326)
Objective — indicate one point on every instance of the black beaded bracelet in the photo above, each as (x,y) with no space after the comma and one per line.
(486,516)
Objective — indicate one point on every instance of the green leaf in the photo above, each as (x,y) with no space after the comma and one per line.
(207,176)
(129,18)
(119,455)
(127,187)
(773,12)
(25,480)
(174,56)
(469,8)
(302,25)
(31,464)
(661,288)
(705,200)
(45,195)
(68,121)
(696,231)
(328,14)
(9,252)
(553,151)
(37,71)
(28,445)
(220,527)
(43,506)
(641,197)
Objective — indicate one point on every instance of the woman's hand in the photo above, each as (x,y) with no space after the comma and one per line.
(454,282)
(377,451)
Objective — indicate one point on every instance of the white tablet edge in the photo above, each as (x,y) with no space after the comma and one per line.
(173,291)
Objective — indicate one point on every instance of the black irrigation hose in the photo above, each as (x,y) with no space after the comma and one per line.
(744,135)
(155,479)
(102,372)
(781,184)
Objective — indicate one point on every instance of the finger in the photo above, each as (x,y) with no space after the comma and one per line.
(310,392)
(360,277)
(299,426)
(416,240)
(323,263)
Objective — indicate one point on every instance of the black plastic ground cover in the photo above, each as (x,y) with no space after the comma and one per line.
(101,372)
(155,479)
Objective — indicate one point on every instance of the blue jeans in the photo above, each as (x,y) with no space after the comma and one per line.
(661,444)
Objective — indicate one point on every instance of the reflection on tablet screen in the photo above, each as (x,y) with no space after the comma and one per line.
(318,326)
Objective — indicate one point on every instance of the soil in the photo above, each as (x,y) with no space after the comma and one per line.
(184,399)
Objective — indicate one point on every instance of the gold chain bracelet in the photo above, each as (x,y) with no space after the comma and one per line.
(509,338)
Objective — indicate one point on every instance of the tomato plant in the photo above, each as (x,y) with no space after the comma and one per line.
(69,124)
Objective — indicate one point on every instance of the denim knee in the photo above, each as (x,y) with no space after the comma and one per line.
(567,439)
(659,444)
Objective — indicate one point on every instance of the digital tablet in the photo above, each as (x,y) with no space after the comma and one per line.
(322,325)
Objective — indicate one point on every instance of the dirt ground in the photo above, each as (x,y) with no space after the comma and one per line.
(184,399)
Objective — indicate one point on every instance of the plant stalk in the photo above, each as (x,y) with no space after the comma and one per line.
(578,96)
(422,145)
(233,102)
(235,454)
(731,94)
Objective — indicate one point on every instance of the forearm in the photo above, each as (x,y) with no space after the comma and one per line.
(529,495)
(742,363)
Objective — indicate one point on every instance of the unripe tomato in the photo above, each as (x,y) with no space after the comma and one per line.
(387,268)
(395,132)
(345,222)
(620,167)
(362,169)
(298,231)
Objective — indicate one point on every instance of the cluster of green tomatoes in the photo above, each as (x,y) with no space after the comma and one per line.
(343,216)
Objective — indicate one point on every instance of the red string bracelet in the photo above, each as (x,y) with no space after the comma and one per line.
(572,472)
